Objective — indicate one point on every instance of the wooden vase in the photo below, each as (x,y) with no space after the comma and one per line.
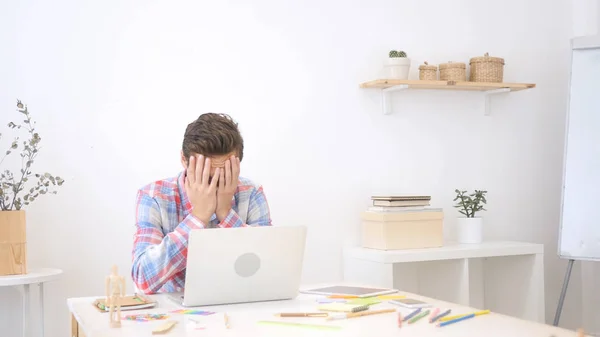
(13,243)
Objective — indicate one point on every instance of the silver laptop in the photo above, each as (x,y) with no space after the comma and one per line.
(240,265)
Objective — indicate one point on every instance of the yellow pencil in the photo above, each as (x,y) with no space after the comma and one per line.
(449,318)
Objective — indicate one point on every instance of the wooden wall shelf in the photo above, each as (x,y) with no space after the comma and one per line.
(488,89)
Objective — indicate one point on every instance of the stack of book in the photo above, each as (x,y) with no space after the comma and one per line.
(402,222)
(399,203)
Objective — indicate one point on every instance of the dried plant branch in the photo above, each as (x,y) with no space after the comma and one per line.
(10,188)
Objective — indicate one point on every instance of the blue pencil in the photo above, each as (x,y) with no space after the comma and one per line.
(456,320)
(440,315)
(412,314)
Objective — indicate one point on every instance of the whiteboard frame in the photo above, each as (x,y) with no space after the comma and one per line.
(578,43)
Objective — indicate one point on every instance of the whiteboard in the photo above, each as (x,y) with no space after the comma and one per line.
(579,230)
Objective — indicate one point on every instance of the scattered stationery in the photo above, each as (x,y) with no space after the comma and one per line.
(342,307)
(349,291)
(302,314)
(435,318)
(192,312)
(164,328)
(409,316)
(360,314)
(131,302)
(477,313)
(146,317)
(418,317)
(301,325)
(455,320)
(399,319)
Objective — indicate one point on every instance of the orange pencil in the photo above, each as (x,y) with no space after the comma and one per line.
(342,296)
(302,314)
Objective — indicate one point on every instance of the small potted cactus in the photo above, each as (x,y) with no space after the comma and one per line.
(398,65)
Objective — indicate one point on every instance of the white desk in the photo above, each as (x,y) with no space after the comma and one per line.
(244,318)
(507,277)
(33,276)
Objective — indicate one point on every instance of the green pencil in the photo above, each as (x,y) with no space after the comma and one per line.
(418,317)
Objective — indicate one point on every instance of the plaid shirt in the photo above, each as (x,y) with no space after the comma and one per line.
(163,221)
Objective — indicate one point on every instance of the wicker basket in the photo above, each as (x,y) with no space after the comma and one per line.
(453,71)
(427,72)
(486,69)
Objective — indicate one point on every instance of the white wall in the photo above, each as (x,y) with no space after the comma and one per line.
(112,85)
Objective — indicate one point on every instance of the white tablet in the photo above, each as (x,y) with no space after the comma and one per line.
(349,291)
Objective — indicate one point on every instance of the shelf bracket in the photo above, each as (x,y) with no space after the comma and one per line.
(386,101)
(487,97)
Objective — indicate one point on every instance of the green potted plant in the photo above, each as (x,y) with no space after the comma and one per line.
(398,65)
(470,226)
(19,188)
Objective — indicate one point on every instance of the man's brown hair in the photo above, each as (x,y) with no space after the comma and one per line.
(213,134)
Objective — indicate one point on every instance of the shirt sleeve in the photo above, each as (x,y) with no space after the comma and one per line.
(258,212)
(158,257)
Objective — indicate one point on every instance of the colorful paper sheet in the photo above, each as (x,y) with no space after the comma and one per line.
(192,312)
(146,317)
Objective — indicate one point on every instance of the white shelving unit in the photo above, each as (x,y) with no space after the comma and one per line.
(505,277)
(487,89)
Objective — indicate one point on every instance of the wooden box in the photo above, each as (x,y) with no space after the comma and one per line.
(403,230)
(13,243)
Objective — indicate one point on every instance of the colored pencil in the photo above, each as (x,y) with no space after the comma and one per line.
(418,317)
(477,313)
(302,314)
(434,313)
(399,319)
(409,316)
(445,313)
(456,320)
(342,296)
(301,325)
(359,314)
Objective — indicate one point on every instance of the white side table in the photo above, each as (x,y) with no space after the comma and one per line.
(505,277)
(34,276)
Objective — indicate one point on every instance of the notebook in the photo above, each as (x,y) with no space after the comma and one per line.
(130,302)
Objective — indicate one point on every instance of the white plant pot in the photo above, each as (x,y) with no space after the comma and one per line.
(469,230)
(398,68)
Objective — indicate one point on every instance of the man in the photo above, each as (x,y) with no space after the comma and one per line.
(208,193)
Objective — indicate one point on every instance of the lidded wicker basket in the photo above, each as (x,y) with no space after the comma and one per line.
(487,69)
(427,72)
(453,71)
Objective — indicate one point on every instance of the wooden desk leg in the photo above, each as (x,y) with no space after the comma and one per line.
(75,328)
